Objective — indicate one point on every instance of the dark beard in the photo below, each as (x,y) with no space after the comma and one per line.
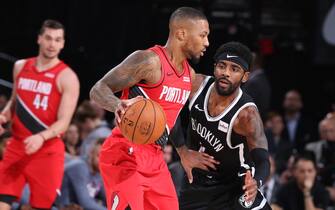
(224,92)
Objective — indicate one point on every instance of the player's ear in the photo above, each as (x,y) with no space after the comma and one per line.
(245,76)
(181,34)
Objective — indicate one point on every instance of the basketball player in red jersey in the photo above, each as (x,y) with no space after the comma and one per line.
(136,176)
(43,100)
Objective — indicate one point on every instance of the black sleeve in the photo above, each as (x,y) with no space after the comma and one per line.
(177,135)
(260,157)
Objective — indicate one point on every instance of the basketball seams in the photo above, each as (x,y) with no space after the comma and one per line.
(139,116)
(152,130)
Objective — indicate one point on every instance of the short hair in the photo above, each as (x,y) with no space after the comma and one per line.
(187,13)
(86,110)
(307,156)
(271,115)
(235,48)
(53,24)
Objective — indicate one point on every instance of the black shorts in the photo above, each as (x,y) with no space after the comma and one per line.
(215,196)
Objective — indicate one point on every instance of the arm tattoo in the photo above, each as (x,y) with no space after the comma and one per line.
(251,126)
(137,67)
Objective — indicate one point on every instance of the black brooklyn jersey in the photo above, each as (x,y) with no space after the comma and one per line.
(215,135)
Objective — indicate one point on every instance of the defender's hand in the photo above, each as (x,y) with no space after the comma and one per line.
(250,187)
(193,159)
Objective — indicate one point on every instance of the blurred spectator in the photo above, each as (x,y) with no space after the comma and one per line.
(3,141)
(168,154)
(175,168)
(325,147)
(325,151)
(72,142)
(279,147)
(258,85)
(303,192)
(299,128)
(92,127)
(82,183)
(177,174)
(271,186)
(3,101)
(287,174)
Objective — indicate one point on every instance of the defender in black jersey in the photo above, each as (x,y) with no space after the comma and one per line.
(225,124)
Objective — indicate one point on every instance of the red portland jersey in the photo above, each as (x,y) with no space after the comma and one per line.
(171,92)
(37,99)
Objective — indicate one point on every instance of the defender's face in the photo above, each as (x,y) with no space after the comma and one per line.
(51,42)
(197,39)
(228,77)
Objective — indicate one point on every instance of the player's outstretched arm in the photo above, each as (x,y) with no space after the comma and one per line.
(140,66)
(249,124)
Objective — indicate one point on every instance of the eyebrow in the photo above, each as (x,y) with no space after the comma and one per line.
(235,65)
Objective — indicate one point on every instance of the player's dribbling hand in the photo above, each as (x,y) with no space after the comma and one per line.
(33,143)
(193,159)
(122,106)
(250,187)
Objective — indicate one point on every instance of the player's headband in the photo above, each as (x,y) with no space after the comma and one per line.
(233,58)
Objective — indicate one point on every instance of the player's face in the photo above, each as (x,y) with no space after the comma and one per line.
(228,77)
(197,41)
(51,42)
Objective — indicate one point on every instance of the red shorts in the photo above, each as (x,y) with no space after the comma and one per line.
(135,175)
(43,171)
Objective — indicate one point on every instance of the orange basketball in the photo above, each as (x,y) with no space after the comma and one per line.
(143,122)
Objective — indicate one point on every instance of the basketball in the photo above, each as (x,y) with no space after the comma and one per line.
(143,122)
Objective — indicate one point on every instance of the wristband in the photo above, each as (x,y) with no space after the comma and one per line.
(260,157)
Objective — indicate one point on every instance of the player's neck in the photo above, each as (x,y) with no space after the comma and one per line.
(175,55)
(220,100)
(43,63)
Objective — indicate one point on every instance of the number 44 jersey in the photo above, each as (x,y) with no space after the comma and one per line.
(37,99)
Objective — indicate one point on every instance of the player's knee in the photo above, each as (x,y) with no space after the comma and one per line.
(7,199)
